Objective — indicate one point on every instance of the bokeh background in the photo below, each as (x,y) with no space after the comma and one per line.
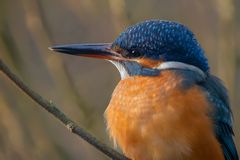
(82,87)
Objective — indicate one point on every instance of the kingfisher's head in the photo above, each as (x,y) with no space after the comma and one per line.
(145,48)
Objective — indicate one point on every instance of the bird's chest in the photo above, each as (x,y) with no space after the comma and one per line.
(139,98)
(141,117)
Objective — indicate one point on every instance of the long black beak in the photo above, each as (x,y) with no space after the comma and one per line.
(97,50)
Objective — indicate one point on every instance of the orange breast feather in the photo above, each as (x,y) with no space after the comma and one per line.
(151,118)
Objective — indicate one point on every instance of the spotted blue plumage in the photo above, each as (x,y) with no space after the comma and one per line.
(169,41)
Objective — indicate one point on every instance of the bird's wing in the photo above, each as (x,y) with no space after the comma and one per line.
(221,115)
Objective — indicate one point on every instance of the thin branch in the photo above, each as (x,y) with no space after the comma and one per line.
(52,109)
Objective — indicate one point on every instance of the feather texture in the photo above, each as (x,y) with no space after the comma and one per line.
(162,118)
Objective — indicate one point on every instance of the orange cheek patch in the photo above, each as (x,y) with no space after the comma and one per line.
(149,63)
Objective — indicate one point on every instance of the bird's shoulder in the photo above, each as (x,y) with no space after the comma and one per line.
(220,111)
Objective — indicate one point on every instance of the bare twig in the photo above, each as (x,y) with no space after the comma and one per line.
(51,108)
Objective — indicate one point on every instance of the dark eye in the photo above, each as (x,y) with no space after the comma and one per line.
(135,53)
(130,53)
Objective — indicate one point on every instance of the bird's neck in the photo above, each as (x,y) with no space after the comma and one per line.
(172,65)
(128,69)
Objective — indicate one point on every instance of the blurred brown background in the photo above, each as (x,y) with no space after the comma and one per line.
(82,87)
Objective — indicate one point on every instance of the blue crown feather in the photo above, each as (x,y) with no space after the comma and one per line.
(163,40)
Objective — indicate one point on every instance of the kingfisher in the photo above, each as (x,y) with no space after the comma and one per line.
(167,105)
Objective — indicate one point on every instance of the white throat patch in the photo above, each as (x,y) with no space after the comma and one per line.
(123,72)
